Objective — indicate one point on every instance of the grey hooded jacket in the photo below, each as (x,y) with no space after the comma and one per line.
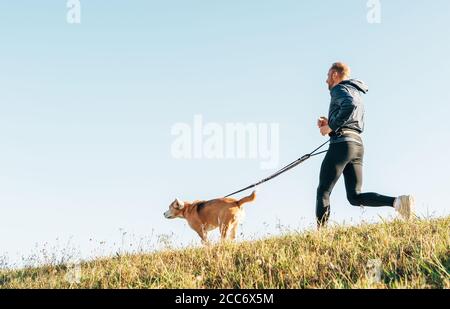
(347,109)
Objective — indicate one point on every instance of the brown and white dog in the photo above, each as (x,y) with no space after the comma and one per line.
(205,216)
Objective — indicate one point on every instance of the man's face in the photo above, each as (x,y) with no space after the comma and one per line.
(332,79)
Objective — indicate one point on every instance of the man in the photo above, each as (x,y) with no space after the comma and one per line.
(344,125)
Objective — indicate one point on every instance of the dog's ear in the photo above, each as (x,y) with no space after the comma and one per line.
(180,203)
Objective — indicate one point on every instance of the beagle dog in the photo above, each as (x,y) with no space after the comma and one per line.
(205,216)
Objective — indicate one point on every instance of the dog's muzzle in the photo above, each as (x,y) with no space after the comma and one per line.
(168,216)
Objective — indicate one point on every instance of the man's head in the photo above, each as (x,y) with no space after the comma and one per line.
(338,72)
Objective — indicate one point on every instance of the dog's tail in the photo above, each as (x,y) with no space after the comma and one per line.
(247,199)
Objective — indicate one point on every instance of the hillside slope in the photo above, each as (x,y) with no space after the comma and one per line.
(388,255)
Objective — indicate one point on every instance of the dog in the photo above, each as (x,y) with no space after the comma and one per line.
(205,216)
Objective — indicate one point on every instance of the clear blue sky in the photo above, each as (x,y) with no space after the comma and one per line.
(86,111)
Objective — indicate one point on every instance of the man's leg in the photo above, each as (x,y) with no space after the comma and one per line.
(332,168)
(353,182)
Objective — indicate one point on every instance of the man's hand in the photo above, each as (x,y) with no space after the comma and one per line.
(325,130)
(322,121)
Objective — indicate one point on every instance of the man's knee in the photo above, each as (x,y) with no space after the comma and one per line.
(354,199)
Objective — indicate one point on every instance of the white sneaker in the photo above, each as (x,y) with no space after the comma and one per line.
(404,205)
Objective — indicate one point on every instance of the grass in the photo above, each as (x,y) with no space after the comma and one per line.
(388,255)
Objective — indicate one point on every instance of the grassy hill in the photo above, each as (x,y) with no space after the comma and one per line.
(388,255)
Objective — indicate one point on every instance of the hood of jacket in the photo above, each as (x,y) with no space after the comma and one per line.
(356,83)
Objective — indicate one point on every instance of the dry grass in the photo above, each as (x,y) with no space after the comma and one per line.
(412,255)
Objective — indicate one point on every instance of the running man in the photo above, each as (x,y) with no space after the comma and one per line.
(344,125)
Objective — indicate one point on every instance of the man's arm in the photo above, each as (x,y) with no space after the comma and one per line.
(347,106)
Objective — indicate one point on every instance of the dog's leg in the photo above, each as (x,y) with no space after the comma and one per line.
(203,235)
(234,231)
(205,241)
(224,228)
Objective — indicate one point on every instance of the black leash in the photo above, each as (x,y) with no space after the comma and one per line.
(285,169)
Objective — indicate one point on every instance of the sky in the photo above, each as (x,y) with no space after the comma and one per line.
(87,111)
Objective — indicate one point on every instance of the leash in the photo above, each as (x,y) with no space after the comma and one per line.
(285,169)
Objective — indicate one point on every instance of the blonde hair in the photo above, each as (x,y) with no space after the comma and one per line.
(342,69)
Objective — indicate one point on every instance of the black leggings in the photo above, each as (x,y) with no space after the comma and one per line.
(346,158)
